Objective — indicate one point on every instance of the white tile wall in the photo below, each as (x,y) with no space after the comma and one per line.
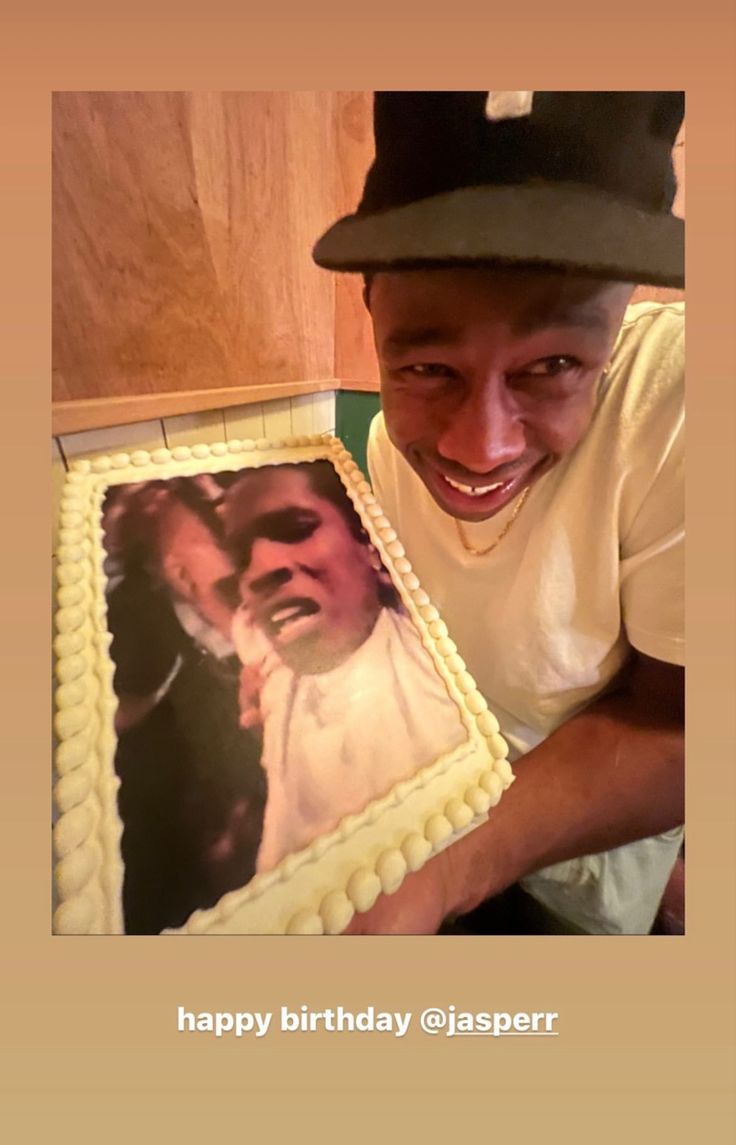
(277,418)
(114,439)
(189,428)
(323,413)
(302,416)
(244,422)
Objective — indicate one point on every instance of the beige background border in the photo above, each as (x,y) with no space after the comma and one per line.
(88,1026)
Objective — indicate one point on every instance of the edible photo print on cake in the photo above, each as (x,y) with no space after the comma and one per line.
(282,723)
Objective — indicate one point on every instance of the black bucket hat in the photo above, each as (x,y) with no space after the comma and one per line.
(581,181)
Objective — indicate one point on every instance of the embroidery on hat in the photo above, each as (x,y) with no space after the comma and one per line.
(508,104)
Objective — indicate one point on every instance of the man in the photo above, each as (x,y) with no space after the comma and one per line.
(529,453)
(308,577)
(191,788)
(350,703)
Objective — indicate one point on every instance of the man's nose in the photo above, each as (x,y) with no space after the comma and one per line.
(268,569)
(484,431)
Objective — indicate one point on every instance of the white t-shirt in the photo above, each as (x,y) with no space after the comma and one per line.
(592,566)
(335,742)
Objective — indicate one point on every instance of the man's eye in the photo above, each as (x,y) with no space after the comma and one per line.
(552,367)
(428,370)
(292,531)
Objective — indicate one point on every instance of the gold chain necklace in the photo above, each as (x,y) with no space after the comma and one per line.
(519,506)
(484,552)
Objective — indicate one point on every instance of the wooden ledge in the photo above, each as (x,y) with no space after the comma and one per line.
(99,413)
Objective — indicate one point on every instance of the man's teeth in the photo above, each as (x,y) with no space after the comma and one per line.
(474,490)
(292,616)
(281,615)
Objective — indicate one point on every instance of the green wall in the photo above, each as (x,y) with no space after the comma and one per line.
(353,415)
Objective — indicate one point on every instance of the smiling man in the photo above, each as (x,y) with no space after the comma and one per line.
(529,453)
(488,380)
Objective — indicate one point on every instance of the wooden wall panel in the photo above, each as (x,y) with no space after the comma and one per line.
(355,359)
(678,158)
(183,226)
(662,293)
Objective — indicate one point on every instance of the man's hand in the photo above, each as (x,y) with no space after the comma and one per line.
(251,683)
(418,907)
(452,883)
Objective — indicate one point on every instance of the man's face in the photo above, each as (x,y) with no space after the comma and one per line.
(306,581)
(192,564)
(488,378)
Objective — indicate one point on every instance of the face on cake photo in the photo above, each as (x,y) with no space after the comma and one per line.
(193,563)
(306,573)
(192,789)
(170,531)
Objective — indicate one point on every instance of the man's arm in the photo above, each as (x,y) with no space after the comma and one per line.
(610,775)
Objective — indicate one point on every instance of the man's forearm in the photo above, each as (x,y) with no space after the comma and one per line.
(610,775)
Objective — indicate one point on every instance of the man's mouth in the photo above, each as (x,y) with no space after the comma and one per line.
(474,499)
(289,619)
(475,490)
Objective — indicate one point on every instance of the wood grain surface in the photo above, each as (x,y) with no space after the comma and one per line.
(355,358)
(662,293)
(182,232)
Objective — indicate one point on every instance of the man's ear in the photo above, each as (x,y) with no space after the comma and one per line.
(179,579)
(383,576)
(367,279)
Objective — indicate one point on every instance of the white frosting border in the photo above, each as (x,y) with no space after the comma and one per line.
(338,873)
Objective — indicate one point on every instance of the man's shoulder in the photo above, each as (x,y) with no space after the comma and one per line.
(652,332)
(381,454)
(394,482)
(655,311)
(648,363)
(377,435)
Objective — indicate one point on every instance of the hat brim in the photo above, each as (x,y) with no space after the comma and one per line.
(564,226)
